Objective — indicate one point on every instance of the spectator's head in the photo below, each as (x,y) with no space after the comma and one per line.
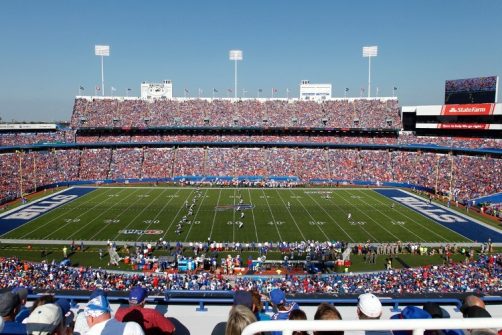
(257,304)
(476,312)
(436,311)
(238,318)
(298,314)
(44,320)
(410,313)
(137,296)
(471,300)
(42,300)
(9,305)
(327,311)
(97,310)
(22,292)
(277,297)
(68,316)
(369,306)
(243,298)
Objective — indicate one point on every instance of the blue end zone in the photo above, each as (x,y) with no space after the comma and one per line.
(23,214)
(458,223)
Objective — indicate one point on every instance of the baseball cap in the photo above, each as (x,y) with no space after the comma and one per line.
(22,292)
(8,301)
(369,305)
(97,292)
(97,306)
(68,315)
(243,298)
(410,312)
(476,312)
(44,319)
(277,296)
(137,295)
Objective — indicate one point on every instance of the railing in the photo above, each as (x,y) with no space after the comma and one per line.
(418,326)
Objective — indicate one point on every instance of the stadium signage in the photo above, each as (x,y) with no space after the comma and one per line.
(429,210)
(41,207)
(471,109)
(475,126)
(140,232)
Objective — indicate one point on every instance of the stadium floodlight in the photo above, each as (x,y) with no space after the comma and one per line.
(235,55)
(102,51)
(371,51)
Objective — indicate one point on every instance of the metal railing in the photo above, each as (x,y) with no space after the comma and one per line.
(417,326)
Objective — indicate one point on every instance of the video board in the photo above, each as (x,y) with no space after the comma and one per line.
(471,90)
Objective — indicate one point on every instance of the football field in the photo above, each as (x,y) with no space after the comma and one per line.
(233,214)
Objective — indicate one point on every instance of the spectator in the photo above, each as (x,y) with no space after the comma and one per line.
(281,307)
(258,307)
(23,313)
(9,307)
(100,321)
(437,312)
(45,320)
(369,307)
(476,311)
(152,321)
(410,312)
(327,311)
(242,298)
(471,300)
(298,314)
(238,318)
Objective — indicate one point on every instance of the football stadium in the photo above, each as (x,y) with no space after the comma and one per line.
(222,211)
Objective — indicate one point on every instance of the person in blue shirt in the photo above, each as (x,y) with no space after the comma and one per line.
(281,306)
(9,307)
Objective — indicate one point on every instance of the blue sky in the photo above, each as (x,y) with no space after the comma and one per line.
(47,47)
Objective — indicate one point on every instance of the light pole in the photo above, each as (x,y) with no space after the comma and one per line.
(369,52)
(235,55)
(102,51)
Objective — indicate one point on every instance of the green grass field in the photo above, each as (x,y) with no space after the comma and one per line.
(125,214)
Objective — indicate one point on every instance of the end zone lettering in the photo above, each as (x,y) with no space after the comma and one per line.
(41,207)
(431,211)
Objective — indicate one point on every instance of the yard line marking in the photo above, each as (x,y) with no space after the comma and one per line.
(273,218)
(370,218)
(195,216)
(162,209)
(313,219)
(252,213)
(291,214)
(103,213)
(412,220)
(215,212)
(177,213)
(140,212)
(78,216)
(332,218)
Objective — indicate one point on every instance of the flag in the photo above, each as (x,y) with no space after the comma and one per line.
(113,89)
(98,88)
(215,90)
(230,90)
(260,90)
(186,90)
(275,90)
(346,89)
(200,90)
(82,88)
(129,89)
(395,88)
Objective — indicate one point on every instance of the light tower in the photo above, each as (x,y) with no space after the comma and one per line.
(102,50)
(369,52)
(235,55)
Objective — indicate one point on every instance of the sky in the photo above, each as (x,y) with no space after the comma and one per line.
(47,48)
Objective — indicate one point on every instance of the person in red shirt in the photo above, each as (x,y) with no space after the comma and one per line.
(151,320)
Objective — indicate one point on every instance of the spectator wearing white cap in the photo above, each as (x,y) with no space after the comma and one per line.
(369,307)
(45,320)
(100,321)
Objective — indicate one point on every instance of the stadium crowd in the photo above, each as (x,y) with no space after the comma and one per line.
(482,275)
(462,177)
(246,113)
